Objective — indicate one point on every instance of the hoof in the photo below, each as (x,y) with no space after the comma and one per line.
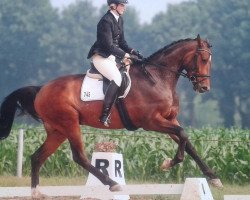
(115,188)
(166,165)
(216,183)
(36,194)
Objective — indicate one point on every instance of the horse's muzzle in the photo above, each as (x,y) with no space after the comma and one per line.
(201,88)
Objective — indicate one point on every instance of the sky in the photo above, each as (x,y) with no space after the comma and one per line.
(147,9)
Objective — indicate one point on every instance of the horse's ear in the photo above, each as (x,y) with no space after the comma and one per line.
(208,44)
(199,40)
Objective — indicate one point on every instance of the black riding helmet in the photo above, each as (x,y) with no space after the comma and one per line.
(117,2)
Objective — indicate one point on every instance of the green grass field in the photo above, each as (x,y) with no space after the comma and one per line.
(226,151)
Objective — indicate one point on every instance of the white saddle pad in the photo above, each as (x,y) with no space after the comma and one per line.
(92,89)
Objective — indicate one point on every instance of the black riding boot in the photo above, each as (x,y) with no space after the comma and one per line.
(109,100)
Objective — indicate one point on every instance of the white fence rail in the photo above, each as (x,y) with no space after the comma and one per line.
(237,197)
(193,189)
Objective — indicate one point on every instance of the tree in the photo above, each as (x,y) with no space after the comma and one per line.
(132,27)
(22,27)
(71,39)
(230,29)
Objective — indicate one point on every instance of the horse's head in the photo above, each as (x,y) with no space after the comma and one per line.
(198,66)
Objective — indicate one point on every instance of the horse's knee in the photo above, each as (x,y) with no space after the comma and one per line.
(183,138)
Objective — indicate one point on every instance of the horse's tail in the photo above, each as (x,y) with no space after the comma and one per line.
(22,99)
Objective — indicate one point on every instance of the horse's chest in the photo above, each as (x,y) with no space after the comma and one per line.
(168,102)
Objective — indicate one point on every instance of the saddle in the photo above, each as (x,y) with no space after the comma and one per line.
(94,88)
(125,85)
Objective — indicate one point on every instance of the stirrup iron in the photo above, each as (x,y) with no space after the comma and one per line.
(106,121)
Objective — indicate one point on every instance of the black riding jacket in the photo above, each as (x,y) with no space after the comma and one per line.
(110,38)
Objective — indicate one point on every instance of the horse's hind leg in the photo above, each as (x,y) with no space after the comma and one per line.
(72,129)
(53,141)
(80,157)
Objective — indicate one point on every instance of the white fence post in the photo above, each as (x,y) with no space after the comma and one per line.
(20,154)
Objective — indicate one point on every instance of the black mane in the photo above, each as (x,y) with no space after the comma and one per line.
(168,46)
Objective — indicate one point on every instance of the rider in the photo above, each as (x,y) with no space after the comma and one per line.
(109,47)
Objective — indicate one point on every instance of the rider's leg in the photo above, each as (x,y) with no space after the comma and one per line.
(107,67)
(110,97)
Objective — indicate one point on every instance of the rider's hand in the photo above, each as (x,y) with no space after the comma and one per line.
(135,59)
(137,53)
(126,60)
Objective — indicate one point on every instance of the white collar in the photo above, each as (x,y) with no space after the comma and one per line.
(115,15)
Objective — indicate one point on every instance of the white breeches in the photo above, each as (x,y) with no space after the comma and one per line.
(107,67)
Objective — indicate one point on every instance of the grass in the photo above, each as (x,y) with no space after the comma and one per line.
(226,150)
(10,181)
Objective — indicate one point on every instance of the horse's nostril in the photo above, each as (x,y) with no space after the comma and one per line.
(205,88)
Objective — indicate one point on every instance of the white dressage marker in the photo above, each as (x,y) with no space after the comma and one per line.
(196,189)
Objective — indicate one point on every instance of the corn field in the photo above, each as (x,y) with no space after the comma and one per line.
(226,151)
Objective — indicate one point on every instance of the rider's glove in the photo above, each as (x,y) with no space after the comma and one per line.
(135,59)
(137,53)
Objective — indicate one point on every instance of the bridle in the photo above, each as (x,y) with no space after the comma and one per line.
(193,77)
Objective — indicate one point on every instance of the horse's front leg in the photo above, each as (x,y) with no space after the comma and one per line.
(160,124)
(213,178)
(179,157)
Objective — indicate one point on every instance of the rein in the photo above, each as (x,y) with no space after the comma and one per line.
(161,66)
(144,62)
(192,78)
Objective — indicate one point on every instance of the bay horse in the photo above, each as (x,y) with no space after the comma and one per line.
(153,107)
